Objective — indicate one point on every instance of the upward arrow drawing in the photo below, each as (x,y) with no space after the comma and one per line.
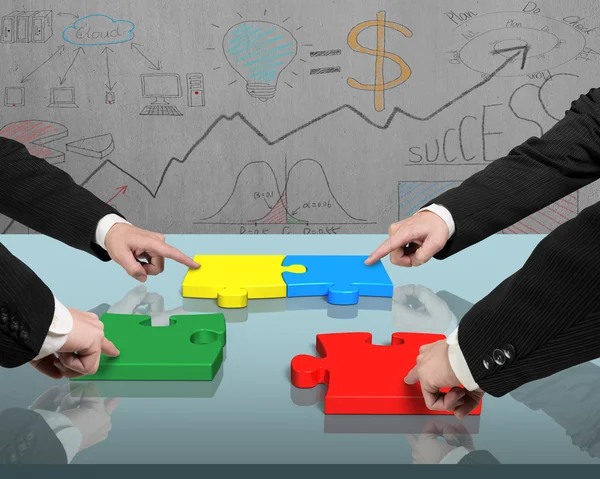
(223,118)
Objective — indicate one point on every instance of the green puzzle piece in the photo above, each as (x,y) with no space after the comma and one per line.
(190,349)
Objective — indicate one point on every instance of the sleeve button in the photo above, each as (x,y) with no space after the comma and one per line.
(499,357)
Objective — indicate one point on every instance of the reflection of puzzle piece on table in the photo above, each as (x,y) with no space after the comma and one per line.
(364,378)
(233,279)
(189,349)
(343,279)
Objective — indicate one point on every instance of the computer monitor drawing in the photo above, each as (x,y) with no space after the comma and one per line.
(62,98)
(160,86)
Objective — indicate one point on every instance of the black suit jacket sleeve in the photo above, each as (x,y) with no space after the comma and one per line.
(531,177)
(546,316)
(25,438)
(46,199)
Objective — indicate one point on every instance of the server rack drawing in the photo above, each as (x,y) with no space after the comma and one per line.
(9,27)
(27,27)
(42,26)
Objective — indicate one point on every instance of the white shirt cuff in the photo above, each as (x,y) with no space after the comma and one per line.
(442,213)
(459,364)
(68,435)
(104,225)
(61,326)
(455,455)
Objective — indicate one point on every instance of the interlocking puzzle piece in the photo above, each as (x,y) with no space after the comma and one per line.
(189,349)
(364,378)
(341,278)
(233,279)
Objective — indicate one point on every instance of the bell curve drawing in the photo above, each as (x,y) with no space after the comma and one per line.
(290,116)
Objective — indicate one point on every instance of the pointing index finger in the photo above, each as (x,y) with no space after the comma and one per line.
(389,245)
(173,253)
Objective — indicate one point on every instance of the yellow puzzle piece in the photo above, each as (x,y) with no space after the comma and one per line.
(233,279)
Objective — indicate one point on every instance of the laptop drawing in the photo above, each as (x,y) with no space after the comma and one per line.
(62,98)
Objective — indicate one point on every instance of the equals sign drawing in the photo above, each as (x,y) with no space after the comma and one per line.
(325,53)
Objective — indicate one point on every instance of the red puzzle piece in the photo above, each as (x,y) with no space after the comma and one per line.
(364,378)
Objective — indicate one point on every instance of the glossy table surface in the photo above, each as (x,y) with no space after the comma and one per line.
(250,413)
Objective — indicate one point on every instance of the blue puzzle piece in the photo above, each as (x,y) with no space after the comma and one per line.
(343,279)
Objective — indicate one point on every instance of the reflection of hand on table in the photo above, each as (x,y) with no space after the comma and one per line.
(432,315)
(79,418)
(429,448)
(154,302)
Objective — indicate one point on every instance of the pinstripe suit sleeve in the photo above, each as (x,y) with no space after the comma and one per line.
(532,176)
(47,200)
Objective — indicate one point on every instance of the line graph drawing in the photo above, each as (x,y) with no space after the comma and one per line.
(239,116)
(412,195)
(280,212)
(551,42)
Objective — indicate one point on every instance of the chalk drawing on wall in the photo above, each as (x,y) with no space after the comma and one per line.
(413,195)
(270,204)
(63,97)
(325,69)
(380,84)
(27,27)
(259,52)
(161,86)
(490,39)
(14,96)
(95,147)
(36,135)
(549,218)
(99,30)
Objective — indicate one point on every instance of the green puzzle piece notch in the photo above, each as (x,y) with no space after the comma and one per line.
(189,349)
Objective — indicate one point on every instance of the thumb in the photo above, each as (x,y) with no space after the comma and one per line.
(131,265)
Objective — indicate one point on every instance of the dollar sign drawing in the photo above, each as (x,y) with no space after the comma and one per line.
(380,84)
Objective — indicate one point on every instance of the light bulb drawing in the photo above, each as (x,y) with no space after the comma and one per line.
(259,52)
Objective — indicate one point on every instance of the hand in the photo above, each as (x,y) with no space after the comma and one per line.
(428,449)
(84,407)
(434,372)
(135,300)
(426,230)
(432,315)
(91,414)
(81,353)
(126,243)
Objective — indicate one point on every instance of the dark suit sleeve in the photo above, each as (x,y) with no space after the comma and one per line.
(532,176)
(25,438)
(26,311)
(542,319)
(46,199)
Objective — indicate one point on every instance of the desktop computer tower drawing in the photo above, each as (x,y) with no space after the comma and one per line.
(9,27)
(24,27)
(42,26)
(27,27)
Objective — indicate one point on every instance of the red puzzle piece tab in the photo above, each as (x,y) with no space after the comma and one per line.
(365,378)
